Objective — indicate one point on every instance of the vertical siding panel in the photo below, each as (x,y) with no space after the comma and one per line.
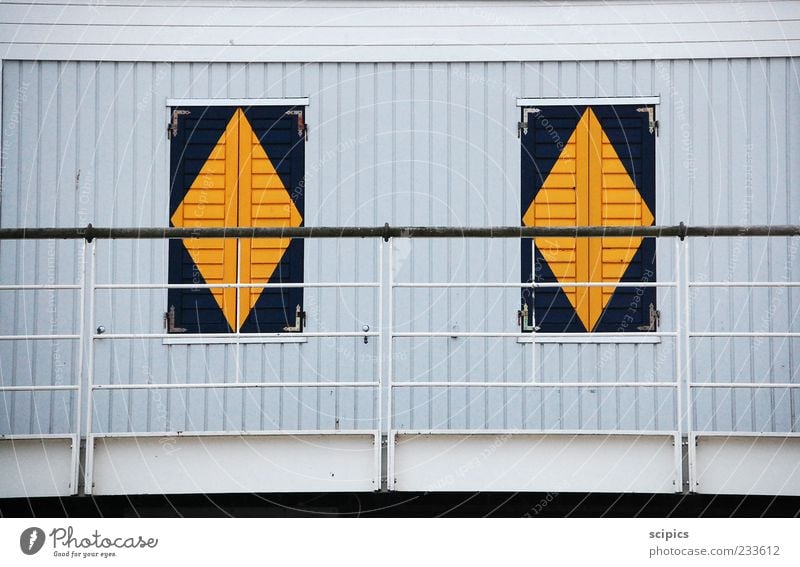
(418,198)
(46,259)
(792,120)
(380,175)
(330,205)
(126,306)
(402,210)
(64,307)
(366,195)
(778,213)
(218,80)
(348,316)
(438,314)
(200,79)
(499,305)
(458,188)
(741,164)
(718,204)
(219,368)
(475,266)
(237,80)
(696,151)
(14,89)
(606,78)
(255,75)
(761,315)
(508,177)
(587,84)
(25,368)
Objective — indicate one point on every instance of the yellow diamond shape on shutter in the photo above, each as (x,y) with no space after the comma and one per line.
(237,187)
(588,186)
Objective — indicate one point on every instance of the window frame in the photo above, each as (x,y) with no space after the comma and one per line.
(586,337)
(235,337)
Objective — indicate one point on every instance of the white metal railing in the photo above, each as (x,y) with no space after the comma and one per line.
(384,383)
(532,382)
(238,339)
(76,384)
(691,385)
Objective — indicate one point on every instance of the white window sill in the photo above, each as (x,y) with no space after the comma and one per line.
(569,338)
(193,339)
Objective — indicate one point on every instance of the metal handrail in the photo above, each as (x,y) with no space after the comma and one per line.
(386,231)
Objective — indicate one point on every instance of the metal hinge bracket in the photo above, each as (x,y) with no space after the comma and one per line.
(522,125)
(302,127)
(655,320)
(299,321)
(172,127)
(652,123)
(524,320)
(169,321)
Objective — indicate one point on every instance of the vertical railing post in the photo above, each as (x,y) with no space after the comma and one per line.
(381,347)
(687,357)
(678,362)
(390,480)
(77,416)
(90,330)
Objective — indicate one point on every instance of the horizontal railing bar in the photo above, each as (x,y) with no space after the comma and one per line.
(36,436)
(36,388)
(26,287)
(741,334)
(501,334)
(778,385)
(744,284)
(234,285)
(238,433)
(105,336)
(137,233)
(536,284)
(534,384)
(215,385)
(37,337)
(581,432)
(773,434)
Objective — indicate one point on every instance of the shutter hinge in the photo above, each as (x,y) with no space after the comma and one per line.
(652,123)
(169,321)
(524,320)
(172,127)
(302,127)
(522,125)
(299,321)
(655,320)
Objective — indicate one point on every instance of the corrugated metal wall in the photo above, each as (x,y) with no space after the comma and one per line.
(412,144)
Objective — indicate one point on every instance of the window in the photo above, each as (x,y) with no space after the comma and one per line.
(589,166)
(235,166)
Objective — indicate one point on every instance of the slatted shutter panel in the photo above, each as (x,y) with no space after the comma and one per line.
(205,158)
(550,146)
(271,170)
(628,198)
